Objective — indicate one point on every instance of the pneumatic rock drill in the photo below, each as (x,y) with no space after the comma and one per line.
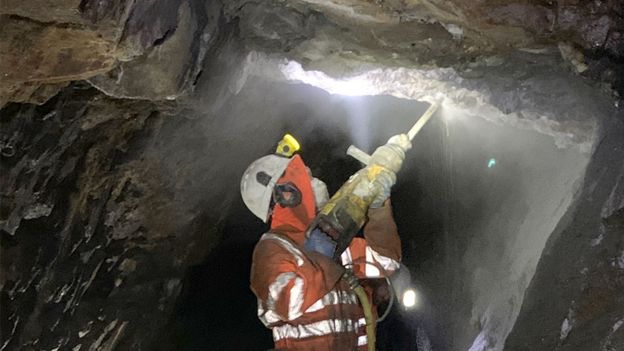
(345,213)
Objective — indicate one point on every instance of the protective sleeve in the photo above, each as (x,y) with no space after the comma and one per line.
(381,232)
(286,284)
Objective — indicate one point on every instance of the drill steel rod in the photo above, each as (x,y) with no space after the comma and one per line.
(422,121)
(364,158)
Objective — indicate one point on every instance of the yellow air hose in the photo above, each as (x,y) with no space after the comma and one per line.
(368,316)
(366,306)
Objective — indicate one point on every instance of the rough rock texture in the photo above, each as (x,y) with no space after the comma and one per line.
(109,194)
(96,232)
(517,90)
(590,24)
(74,40)
(33,54)
(592,31)
(98,35)
(171,66)
(576,299)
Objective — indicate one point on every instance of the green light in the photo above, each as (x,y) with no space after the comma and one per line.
(491,163)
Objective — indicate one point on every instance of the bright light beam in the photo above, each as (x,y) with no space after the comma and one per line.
(353,86)
(410,299)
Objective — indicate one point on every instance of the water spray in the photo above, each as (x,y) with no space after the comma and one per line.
(364,158)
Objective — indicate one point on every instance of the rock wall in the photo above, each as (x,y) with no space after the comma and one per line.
(118,181)
(44,45)
(154,49)
(576,299)
(96,233)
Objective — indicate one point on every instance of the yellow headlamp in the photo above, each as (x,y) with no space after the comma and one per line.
(287,146)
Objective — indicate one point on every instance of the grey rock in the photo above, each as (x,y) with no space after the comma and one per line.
(615,201)
(171,64)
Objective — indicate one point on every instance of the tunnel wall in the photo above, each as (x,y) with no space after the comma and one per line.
(540,190)
(575,300)
(515,209)
(476,233)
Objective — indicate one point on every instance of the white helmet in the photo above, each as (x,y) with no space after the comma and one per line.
(258,182)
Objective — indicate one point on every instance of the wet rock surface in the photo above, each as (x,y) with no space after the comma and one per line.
(116,184)
(62,41)
(172,62)
(576,299)
(33,54)
(96,237)
(594,30)
(83,39)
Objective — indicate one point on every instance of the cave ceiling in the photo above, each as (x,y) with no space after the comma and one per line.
(48,44)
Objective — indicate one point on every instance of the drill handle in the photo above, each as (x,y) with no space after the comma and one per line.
(359,155)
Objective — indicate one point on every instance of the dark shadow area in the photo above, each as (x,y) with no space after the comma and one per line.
(216,309)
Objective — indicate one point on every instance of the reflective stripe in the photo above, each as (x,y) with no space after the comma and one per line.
(270,317)
(362,340)
(386,263)
(333,298)
(275,289)
(329,326)
(345,257)
(287,245)
(372,256)
(260,310)
(296,299)
(267,317)
(370,270)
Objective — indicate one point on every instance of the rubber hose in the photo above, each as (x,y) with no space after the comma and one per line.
(368,316)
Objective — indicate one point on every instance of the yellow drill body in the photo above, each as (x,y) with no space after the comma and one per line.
(345,212)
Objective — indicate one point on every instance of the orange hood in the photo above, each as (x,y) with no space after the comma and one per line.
(294,221)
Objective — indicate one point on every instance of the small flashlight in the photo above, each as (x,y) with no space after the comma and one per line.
(410,298)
